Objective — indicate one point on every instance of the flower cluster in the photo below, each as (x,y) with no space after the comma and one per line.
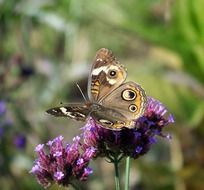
(62,163)
(128,142)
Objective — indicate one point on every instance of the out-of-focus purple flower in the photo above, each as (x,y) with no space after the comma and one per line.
(1,131)
(128,142)
(2,107)
(20,141)
(62,163)
(8,122)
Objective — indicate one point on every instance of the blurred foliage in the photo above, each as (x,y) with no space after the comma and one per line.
(47,46)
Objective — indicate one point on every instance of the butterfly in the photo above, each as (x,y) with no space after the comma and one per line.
(113,103)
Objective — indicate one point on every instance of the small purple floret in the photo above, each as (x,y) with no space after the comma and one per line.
(35,169)
(171,118)
(80,161)
(57,154)
(39,147)
(58,175)
(76,139)
(87,171)
(138,149)
(49,143)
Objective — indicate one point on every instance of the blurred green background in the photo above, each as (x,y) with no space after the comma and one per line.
(47,46)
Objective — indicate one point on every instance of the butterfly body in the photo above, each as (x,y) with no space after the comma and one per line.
(81,112)
(113,103)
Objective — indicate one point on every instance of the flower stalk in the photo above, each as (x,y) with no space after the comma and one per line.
(127,173)
(75,187)
(117,177)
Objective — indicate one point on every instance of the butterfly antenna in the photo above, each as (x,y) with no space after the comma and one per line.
(81,92)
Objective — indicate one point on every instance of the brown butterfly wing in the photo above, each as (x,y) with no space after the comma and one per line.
(105,76)
(129,99)
(108,118)
(77,112)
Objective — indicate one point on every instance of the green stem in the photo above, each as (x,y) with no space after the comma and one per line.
(117,179)
(127,173)
(75,187)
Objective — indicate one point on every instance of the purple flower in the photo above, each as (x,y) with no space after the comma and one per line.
(2,107)
(20,141)
(62,164)
(1,131)
(128,142)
